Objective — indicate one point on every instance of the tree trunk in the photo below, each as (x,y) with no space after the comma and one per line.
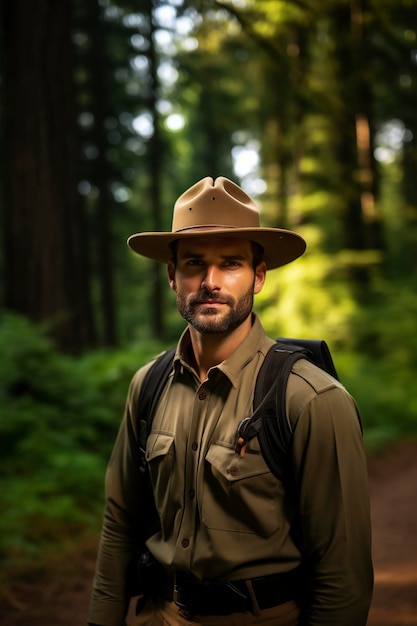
(346,146)
(45,273)
(102,175)
(365,128)
(155,176)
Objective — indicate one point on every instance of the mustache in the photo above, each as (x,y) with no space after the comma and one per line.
(214,296)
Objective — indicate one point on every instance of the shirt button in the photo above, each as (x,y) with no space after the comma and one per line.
(202,396)
(194,446)
(232,471)
(185,543)
(191,494)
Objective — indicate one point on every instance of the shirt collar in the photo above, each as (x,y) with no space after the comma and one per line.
(254,343)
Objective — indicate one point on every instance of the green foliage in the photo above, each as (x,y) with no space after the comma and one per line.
(385,395)
(305,300)
(59,419)
(374,345)
(383,372)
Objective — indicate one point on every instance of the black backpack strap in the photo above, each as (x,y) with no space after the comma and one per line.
(151,389)
(275,436)
(269,419)
(143,564)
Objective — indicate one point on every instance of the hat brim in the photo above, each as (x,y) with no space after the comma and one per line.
(280,246)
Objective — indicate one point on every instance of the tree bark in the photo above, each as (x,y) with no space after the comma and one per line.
(45,273)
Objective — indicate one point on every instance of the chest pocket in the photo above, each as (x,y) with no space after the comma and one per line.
(240,494)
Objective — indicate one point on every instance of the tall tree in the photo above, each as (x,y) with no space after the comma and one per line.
(124,141)
(97,65)
(155,164)
(46,276)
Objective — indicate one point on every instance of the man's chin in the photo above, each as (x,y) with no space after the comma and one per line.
(210,323)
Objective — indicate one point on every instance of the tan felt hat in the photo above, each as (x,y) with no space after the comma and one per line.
(219,208)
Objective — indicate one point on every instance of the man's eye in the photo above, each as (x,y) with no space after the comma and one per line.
(194,262)
(232,263)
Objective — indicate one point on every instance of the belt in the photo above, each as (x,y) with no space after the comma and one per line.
(223,597)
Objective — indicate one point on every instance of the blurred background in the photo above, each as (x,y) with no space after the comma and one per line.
(109,110)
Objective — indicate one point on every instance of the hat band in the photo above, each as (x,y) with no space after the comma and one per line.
(205,227)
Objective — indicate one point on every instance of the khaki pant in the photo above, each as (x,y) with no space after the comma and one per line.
(168,614)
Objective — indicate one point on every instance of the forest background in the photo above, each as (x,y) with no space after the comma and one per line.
(109,110)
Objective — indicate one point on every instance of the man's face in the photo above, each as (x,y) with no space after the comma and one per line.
(215,282)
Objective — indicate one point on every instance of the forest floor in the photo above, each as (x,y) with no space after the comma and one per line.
(60,597)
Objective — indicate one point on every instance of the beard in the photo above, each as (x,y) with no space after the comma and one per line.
(208,320)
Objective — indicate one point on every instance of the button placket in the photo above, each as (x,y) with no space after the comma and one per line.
(192,459)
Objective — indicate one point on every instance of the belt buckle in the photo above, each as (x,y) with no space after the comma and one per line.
(209,597)
(175,591)
(176,597)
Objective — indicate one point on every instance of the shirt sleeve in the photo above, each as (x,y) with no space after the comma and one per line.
(331,474)
(121,538)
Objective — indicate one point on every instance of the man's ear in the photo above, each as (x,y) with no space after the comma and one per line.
(260,276)
(171,275)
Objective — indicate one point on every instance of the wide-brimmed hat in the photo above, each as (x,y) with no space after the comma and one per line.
(219,208)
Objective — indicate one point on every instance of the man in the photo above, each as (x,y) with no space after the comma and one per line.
(232,544)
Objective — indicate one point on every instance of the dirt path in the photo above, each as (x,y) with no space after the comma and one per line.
(393,489)
(62,599)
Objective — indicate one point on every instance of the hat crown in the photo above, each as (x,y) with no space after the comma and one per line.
(215,203)
(219,208)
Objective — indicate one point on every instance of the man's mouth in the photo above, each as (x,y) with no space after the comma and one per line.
(209,303)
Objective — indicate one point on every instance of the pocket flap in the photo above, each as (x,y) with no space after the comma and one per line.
(158,444)
(233,467)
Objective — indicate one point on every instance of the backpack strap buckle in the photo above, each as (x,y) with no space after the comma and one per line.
(248,429)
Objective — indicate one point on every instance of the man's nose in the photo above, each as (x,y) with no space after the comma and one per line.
(211,278)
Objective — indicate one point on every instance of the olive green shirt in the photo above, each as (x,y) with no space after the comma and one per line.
(224,516)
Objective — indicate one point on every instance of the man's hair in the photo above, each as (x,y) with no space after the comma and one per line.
(257,253)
